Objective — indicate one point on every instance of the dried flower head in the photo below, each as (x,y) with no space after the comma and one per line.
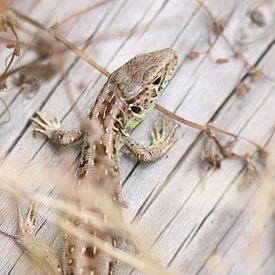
(3,84)
(27,81)
(50,58)
(45,45)
(41,71)
(251,172)
(212,150)
(219,26)
(263,153)
(238,54)
(222,60)
(242,89)
(193,55)
(16,48)
(7,19)
(255,74)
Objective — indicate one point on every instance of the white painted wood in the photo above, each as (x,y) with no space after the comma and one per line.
(192,224)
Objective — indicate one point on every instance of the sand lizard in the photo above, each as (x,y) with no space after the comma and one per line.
(129,94)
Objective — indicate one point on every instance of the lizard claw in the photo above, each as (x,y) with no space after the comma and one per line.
(160,137)
(46,127)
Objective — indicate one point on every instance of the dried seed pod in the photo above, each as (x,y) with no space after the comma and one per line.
(222,60)
(27,82)
(255,74)
(251,172)
(219,26)
(263,153)
(242,89)
(212,150)
(193,55)
(3,84)
(17,49)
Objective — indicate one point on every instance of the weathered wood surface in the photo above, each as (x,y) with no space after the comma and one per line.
(194,226)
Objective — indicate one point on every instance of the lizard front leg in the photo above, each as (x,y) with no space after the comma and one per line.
(55,133)
(161,143)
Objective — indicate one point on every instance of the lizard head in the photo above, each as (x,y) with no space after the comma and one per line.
(141,81)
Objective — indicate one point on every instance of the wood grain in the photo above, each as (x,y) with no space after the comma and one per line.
(195,226)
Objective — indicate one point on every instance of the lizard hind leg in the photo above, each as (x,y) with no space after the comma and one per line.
(37,251)
(55,133)
(24,225)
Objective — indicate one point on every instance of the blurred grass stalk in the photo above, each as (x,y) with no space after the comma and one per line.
(93,198)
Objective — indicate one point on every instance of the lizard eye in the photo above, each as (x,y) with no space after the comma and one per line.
(136,109)
(157,80)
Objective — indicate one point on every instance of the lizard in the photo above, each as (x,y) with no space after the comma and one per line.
(125,100)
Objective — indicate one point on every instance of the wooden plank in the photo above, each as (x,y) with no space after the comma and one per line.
(171,201)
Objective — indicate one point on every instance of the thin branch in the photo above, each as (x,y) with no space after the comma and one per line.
(204,128)
(181,120)
(78,14)
(82,55)
(14,50)
(7,109)
(220,130)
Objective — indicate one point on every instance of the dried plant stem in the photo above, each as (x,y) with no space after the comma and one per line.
(12,55)
(220,130)
(204,128)
(81,54)
(181,120)
(7,109)
(78,14)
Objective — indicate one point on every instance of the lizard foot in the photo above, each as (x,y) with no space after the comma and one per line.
(55,133)
(46,127)
(38,251)
(161,139)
